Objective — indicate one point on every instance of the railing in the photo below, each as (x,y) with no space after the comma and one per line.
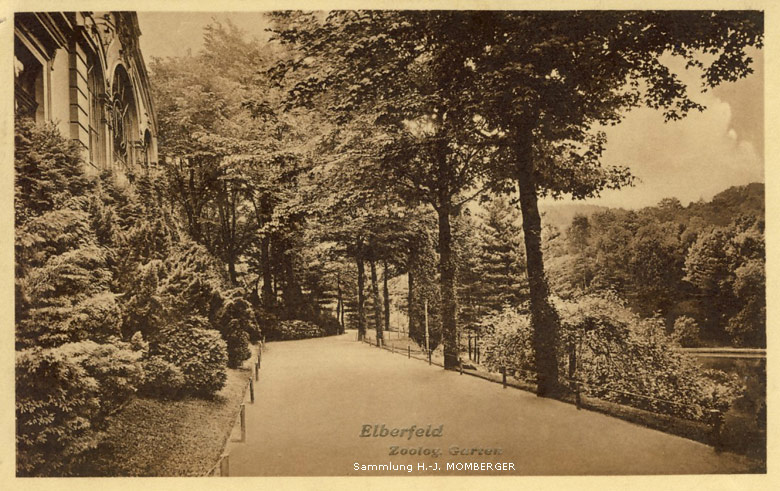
(714,417)
(222,466)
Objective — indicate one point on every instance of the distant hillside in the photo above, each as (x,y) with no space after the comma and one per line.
(561,215)
(720,211)
(731,203)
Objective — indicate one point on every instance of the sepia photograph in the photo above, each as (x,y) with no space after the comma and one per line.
(399,242)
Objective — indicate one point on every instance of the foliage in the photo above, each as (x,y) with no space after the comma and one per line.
(64,397)
(295,329)
(686,332)
(54,412)
(675,261)
(200,354)
(620,357)
(162,379)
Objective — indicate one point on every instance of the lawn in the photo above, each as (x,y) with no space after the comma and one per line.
(151,437)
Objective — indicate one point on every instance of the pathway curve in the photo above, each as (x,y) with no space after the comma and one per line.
(315,396)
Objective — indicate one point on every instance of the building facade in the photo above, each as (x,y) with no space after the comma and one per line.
(84,72)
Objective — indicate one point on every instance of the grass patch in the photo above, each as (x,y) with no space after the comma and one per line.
(151,437)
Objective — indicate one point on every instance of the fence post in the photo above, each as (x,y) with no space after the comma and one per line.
(251,390)
(716,419)
(460,363)
(243,422)
(503,376)
(257,371)
(577,399)
(408,351)
(224,465)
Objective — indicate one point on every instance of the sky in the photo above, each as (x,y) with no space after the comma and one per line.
(691,159)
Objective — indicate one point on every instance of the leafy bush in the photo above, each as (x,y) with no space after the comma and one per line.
(686,332)
(115,366)
(63,397)
(295,329)
(620,358)
(56,403)
(200,354)
(507,342)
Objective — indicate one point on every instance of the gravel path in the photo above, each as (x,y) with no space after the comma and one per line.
(315,396)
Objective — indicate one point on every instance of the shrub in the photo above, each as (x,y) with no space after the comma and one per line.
(237,342)
(507,341)
(686,332)
(238,326)
(200,354)
(163,379)
(63,396)
(620,358)
(329,324)
(296,329)
(56,402)
(267,322)
(116,368)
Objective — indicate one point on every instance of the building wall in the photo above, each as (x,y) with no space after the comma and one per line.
(84,71)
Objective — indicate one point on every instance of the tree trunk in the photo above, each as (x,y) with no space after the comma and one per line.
(232,271)
(386,292)
(377,303)
(410,299)
(265,257)
(361,299)
(544,318)
(449,331)
(292,290)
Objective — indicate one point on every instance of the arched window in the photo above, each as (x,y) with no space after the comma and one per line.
(123,119)
(97,117)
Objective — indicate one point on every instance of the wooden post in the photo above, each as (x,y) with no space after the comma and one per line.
(243,422)
(716,419)
(503,376)
(470,346)
(251,390)
(461,367)
(427,342)
(408,351)
(224,465)
(577,397)
(257,371)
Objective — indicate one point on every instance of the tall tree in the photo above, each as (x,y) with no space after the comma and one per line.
(547,80)
(406,71)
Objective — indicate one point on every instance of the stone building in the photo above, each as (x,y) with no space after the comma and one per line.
(84,72)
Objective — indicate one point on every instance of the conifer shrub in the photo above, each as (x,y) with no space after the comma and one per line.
(200,354)
(162,379)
